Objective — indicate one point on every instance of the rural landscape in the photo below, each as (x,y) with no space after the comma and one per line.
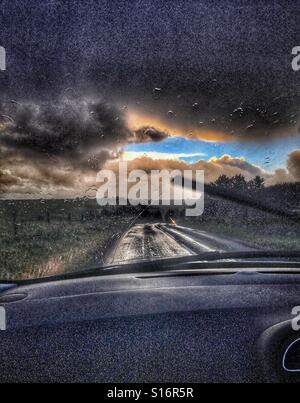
(40,238)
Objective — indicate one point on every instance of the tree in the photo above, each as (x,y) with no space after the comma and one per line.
(239,183)
(256,184)
(223,181)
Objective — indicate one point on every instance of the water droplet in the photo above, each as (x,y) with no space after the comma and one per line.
(157,93)
(239,110)
(91,193)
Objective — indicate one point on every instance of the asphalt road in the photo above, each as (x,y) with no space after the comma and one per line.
(154,241)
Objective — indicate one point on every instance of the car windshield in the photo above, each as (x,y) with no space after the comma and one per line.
(144,130)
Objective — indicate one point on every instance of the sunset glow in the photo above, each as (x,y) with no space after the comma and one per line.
(137,120)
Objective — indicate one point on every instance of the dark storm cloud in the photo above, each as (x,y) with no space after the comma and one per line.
(220,69)
(217,65)
(148,134)
(82,134)
(58,143)
(246,118)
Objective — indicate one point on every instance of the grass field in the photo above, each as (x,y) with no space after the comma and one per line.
(45,238)
(41,245)
(274,234)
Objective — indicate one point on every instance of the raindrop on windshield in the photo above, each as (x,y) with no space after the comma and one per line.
(157,93)
(91,193)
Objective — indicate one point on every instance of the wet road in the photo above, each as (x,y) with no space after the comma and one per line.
(153,241)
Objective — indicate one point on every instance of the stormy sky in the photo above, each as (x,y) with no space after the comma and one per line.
(87,80)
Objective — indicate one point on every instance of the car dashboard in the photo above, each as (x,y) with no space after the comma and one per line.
(225,327)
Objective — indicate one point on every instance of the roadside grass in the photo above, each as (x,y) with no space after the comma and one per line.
(41,249)
(271,234)
(40,239)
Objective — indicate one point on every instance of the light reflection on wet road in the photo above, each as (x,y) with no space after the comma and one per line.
(154,241)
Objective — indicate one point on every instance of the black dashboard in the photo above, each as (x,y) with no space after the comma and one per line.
(149,328)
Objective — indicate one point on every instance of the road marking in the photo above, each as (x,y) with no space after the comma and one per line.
(190,240)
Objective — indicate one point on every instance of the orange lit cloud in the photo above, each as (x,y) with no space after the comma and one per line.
(137,120)
(213,168)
